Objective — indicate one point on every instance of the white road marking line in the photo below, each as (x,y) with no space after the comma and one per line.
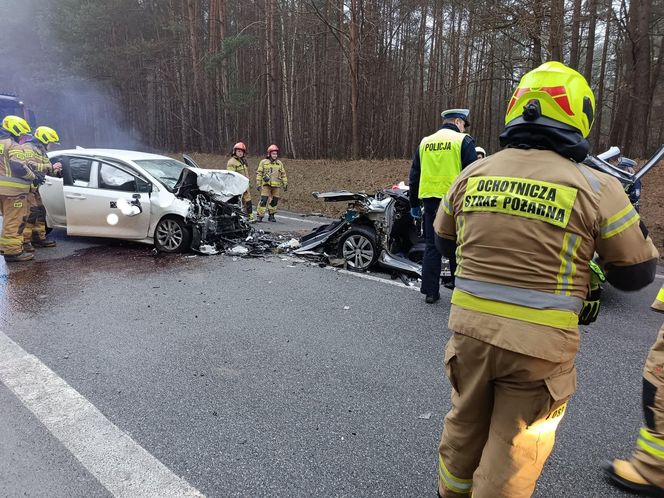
(398,283)
(300,219)
(120,464)
(659,276)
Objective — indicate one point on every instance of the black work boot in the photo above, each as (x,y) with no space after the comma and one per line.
(431,298)
(44,243)
(28,247)
(271,217)
(24,256)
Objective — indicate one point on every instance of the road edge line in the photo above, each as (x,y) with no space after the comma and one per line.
(119,463)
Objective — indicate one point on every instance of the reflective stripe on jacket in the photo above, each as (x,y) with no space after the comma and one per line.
(271,173)
(440,162)
(36,158)
(15,176)
(238,165)
(526,224)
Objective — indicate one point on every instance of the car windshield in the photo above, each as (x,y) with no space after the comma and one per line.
(167,171)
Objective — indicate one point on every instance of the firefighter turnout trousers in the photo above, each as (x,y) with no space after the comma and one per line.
(272,193)
(648,458)
(14,210)
(35,226)
(506,407)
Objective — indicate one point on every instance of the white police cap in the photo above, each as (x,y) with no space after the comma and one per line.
(456,113)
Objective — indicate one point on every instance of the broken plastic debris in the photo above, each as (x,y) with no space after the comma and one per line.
(208,249)
(346,307)
(425,416)
(238,250)
(293,244)
(339,262)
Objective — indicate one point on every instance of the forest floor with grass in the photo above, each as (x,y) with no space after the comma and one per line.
(307,176)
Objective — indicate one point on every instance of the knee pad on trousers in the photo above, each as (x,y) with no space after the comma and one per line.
(648,400)
(263,201)
(274,201)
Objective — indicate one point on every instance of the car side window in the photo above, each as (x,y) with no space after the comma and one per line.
(113,178)
(76,170)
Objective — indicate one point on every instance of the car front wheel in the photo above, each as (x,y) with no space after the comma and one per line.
(359,248)
(172,235)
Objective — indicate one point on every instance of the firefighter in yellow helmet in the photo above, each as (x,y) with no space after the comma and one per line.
(34,234)
(644,472)
(16,178)
(525,223)
(238,163)
(270,179)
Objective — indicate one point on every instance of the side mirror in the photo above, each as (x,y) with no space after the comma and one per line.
(143,186)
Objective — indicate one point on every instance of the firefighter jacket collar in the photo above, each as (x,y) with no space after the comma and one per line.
(569,144)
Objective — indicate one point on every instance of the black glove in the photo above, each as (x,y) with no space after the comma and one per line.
(285,188)
(40,178)
(266,179)
(590,309)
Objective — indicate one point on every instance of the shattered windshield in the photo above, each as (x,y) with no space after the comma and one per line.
(167,171)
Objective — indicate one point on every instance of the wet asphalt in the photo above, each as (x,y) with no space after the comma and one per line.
(274,377)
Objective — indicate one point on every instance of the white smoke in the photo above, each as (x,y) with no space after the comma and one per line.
(32,66)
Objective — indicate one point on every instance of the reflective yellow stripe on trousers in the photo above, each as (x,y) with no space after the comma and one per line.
(452,482)
(650,444)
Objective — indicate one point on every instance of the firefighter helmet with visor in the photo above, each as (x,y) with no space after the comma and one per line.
(553,95)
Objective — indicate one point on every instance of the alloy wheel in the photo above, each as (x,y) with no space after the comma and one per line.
(358,252)
(169,234)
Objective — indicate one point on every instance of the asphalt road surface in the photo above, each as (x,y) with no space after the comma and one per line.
(189,375)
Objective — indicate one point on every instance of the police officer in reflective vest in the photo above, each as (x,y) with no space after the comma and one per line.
(15,182)
(644,472)
(438,160)
(525,223)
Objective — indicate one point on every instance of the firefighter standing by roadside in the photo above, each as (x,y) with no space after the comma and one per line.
(238,163)
(644,472)
(34,234)
(525,223)
(270,179)
(438,160)
(15,181)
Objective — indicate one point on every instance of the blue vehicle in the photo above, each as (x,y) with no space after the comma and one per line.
(10,104)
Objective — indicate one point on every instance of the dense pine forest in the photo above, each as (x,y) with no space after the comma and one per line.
(321,78)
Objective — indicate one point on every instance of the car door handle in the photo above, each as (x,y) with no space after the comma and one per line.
(75,196)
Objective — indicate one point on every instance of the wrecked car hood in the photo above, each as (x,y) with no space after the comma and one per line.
(339,196)
(221,184)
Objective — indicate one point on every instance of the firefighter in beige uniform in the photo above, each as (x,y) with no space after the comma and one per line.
(644,472)
(15,181)
(524,224)
(34,234)
(270,179)
(238,163)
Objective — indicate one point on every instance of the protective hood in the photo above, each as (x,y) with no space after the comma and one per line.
(569,144)
(221,184)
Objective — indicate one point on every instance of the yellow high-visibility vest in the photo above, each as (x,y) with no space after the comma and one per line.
(440,162)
